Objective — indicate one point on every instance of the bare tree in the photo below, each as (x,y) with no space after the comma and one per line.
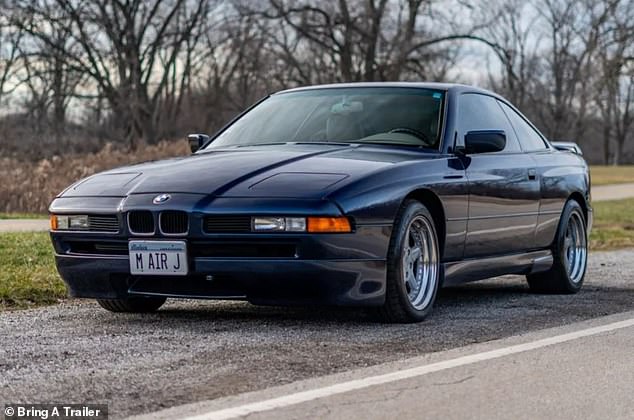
(50,84)
(119,45)
(10,38)
(614,89)
(548,53)
(366,40)
(561,95)
(144,70)
(513,32)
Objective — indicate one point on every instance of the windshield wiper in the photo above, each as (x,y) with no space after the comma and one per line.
(263,144)
(308,142)
(330,143)
(389,143)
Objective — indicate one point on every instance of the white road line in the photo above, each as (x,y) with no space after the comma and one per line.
(327,391)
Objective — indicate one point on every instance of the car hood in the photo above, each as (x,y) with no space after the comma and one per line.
(293,170)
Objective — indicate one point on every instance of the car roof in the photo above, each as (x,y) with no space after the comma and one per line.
(456,87)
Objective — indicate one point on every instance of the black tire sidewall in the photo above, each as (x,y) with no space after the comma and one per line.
(409,211)
(571,208)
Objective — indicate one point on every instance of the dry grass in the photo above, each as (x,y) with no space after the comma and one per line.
(29,187)
(604,175)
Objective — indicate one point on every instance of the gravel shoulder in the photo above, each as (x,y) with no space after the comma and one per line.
(192,350)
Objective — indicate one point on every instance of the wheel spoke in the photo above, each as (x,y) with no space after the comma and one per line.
(419,262)
(415,254)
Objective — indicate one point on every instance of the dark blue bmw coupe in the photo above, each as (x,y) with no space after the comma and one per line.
(372,194)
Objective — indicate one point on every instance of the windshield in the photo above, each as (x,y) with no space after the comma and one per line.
(399,116)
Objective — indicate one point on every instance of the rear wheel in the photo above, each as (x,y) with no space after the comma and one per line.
(570,255)
(135,304)
(414,269)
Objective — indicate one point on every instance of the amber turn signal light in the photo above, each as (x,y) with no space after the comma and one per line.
(328,224)
(53,222)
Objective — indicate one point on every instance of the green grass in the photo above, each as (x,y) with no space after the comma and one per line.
(613,225)
(27,271)
(22,216)
(604,175)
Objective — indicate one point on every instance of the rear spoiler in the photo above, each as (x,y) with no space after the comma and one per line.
(567,146)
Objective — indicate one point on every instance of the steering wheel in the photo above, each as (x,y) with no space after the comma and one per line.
(413,132)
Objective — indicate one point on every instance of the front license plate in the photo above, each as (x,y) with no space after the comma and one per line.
(166,258)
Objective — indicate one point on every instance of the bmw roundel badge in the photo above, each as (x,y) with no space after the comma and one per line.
(160,199)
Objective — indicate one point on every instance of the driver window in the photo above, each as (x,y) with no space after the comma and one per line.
(481,112)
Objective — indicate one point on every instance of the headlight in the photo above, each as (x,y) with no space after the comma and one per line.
(301,224)
(279,224)
(77,222)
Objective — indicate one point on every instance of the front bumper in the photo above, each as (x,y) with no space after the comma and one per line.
(332,269)
(346,282)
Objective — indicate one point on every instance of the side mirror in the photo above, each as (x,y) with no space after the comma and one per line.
(484,141)
(196,141)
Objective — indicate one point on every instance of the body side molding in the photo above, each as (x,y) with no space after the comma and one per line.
(457,272)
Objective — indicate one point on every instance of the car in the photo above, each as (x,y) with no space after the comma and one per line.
(360,194)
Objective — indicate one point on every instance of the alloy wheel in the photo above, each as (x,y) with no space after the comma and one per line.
(575,248)
(420,263)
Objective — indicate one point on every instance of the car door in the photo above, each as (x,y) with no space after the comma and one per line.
(504,190)
(551,175)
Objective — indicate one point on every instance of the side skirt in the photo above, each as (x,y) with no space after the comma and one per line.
(458,272)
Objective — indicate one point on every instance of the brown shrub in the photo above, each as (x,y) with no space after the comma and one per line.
(30,186)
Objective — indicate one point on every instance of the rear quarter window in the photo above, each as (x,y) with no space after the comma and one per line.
(528,137)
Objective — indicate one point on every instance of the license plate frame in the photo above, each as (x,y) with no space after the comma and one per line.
(158,258)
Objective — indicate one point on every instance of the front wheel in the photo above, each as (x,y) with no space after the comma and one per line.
(135,304)
(414,270)
(570,255)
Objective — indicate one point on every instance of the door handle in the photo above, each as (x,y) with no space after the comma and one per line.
(532,174)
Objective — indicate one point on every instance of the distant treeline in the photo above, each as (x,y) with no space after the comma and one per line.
(75,74)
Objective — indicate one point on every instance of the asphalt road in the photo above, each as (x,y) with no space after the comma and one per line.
(197,351)
(613,192)
(573,380)
(24,225)
(558,373)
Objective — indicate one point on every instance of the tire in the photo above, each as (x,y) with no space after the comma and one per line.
(139,304)
(570,255)
(414,271)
